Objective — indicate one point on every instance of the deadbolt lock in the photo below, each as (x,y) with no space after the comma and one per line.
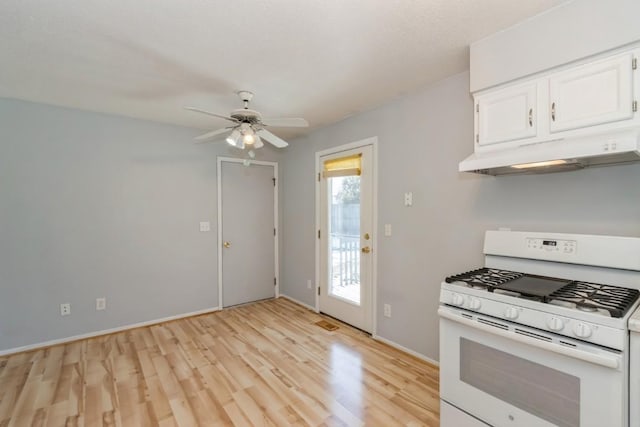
(366,236)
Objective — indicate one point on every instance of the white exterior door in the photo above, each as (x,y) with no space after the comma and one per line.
(506,115)
(246,232)
(346,237)
(592,94)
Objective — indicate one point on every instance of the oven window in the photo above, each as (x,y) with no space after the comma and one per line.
(542,391)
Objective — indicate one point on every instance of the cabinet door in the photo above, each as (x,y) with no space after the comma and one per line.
(506,115)
(591,94)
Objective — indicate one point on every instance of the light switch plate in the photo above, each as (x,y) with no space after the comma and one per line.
(387,230)
(205,226)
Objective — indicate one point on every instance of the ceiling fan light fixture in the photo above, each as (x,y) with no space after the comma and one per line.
(258,141)
(247,123)
(248,138)
(235,139)
(248,134)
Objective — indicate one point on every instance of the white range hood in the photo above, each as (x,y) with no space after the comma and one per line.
(558,155)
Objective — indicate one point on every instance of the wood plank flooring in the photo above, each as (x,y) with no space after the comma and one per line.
(262,364)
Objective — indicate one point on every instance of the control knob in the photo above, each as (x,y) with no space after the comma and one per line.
(555,324)
(582,330)
(457,299)
(475,304)
(511,313)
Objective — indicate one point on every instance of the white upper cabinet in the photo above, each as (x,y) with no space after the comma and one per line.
(506,114)
(592,94)
(579,100)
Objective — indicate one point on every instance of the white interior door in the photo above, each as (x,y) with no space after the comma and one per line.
(346,236)
(247,228)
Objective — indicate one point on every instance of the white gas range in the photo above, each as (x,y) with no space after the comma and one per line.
(539,336)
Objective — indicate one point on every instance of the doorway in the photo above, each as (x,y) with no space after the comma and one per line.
(346,241)
(247,231)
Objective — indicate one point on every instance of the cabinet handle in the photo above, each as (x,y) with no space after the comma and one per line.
(531,117)
(553,111)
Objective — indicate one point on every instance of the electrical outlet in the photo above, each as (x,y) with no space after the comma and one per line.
(101,303)
(65,309)
(309,284)
(387,310)
(408,199)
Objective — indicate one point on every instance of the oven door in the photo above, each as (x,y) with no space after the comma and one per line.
(510,375)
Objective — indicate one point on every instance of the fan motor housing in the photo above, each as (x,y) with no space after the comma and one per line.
(247,116)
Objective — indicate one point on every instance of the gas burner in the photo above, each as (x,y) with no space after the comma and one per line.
(588,308)
(596,297)
(508,293)
(560,303)
(581,307)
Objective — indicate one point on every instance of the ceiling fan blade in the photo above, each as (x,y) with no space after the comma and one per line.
(211,134)
(209,113)
(272,139)
(286,122)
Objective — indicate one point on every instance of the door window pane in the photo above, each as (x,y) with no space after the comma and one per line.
(344,237)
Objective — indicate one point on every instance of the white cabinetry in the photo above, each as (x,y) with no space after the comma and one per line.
(578,100)
(592,94)
(506,114)
(634,370)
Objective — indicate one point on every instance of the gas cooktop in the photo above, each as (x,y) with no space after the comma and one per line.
(592,297)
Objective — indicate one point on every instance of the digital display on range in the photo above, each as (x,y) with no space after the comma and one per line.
(549,243)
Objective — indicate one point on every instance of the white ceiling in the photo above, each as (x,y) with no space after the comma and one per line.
(320,59)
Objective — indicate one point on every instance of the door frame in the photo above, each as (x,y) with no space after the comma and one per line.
(373,142)
(276,237)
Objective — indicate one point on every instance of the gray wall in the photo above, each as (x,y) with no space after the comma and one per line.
(421,140)
(92,206)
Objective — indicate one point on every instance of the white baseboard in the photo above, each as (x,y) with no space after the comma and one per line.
(104,332)
(406,350)
(299,302)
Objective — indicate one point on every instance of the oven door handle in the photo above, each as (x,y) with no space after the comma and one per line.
(598,359)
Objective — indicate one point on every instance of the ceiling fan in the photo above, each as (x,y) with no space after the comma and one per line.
(248,128)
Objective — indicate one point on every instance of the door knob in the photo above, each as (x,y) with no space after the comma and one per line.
(366,250)
(227,245)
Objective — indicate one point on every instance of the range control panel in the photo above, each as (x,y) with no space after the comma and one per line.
(552,245)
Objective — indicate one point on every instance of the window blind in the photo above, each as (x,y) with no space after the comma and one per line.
(343,166)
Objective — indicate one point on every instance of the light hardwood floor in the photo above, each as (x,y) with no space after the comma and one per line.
(265,363)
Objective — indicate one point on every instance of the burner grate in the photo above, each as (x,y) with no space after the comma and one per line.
(485,277)
(614,299)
